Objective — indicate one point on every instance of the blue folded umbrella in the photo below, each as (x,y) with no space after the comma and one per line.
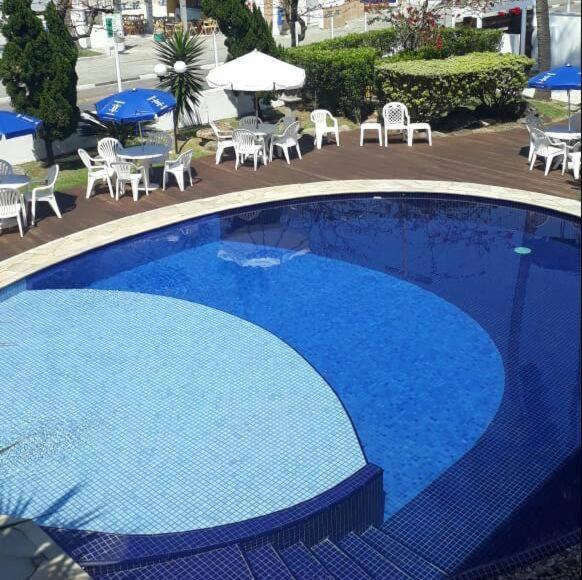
(135,105)
(563,78)
(17,124)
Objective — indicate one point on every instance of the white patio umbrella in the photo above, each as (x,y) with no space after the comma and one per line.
(255,72)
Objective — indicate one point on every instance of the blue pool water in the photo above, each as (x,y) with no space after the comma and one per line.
(454,353)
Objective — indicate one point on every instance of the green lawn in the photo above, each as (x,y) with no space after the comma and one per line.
(550,111)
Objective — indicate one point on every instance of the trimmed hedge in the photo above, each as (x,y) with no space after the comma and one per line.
(338,80)
(382,41)
(433,88)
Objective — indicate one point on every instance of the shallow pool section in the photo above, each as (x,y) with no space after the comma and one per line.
(144,414)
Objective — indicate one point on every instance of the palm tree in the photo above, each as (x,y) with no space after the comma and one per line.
(185,86)
(544,42)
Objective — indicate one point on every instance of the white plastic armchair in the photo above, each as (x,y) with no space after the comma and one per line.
(250,122)
(6,168)
(289,138)
(574,159)
(108,150)
(322,119)
(246,145)
(45,193)
(10,207)
(177,168)
(396,118)
(544,146)
(162,139)
(97,170)
(532,122)
(128,173)
(223,140)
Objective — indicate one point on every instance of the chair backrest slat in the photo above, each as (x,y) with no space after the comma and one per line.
(244,141)
(320,116)
(9,203)
(249,122)
(6,168)
(108,149)
(395,114)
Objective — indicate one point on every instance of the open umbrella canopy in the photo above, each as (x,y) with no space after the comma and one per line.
(17,124)
(256,72)
(135,105)
(563,78)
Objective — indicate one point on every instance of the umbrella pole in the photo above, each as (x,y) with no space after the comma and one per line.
(569,113)
(256,105)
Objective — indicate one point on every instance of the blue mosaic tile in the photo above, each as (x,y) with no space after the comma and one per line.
(223,564)
(402,556)
(303,564)
(265,564)
(339,565)
(370,560)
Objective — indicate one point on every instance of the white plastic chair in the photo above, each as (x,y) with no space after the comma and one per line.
(320,118)
(574,159)
(108,150)
(10,207)
(289,138)
(177,168)
(6,168)
(97,169)
(223,140)
(532,122)
(247,145)
(45,192)
(128,173)
(163,140)
(396,118)
(250,122)
(544,146)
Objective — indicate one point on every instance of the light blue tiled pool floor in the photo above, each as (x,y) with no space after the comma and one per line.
(149,414)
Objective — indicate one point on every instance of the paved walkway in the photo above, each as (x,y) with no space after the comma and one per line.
(497,158)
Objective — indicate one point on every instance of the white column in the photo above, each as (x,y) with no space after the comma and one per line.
(365,21)
(149,15)
(331,27)
(479,22)
(184,14)
(522,30)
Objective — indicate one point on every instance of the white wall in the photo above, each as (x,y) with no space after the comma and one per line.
(565,34)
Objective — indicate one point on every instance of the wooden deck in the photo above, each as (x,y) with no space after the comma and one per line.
(498,158)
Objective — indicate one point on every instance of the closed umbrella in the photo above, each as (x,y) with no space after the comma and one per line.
(17,124)
(135,106)
(563,78)
(255,72)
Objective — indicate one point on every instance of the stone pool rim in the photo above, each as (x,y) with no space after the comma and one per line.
(31,261)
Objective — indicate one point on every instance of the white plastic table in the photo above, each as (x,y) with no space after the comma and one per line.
(17,182)
(562,133)
(265,131)
(146,155)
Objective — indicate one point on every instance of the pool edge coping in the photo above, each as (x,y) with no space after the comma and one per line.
(26,263)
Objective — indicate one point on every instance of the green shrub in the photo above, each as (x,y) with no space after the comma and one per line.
(337,80)
(433,88)
(382,41)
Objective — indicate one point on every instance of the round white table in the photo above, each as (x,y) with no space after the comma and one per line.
(16,182)
(562,133)
(265,131)
(145,155)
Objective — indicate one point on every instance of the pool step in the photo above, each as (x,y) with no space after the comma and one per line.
(374,563)
(339,564)
(266,563)
(303,564)
(404,558)
(220,564)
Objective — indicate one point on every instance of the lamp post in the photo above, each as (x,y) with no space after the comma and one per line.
(161,71)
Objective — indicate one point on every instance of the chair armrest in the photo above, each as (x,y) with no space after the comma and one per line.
(42,188)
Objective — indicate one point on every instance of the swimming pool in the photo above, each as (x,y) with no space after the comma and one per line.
(436,337)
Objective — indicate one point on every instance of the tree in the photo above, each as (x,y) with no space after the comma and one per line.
(295,14)
(185,86)
(38,70)
(544,42)
(416,22)
(243,25)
